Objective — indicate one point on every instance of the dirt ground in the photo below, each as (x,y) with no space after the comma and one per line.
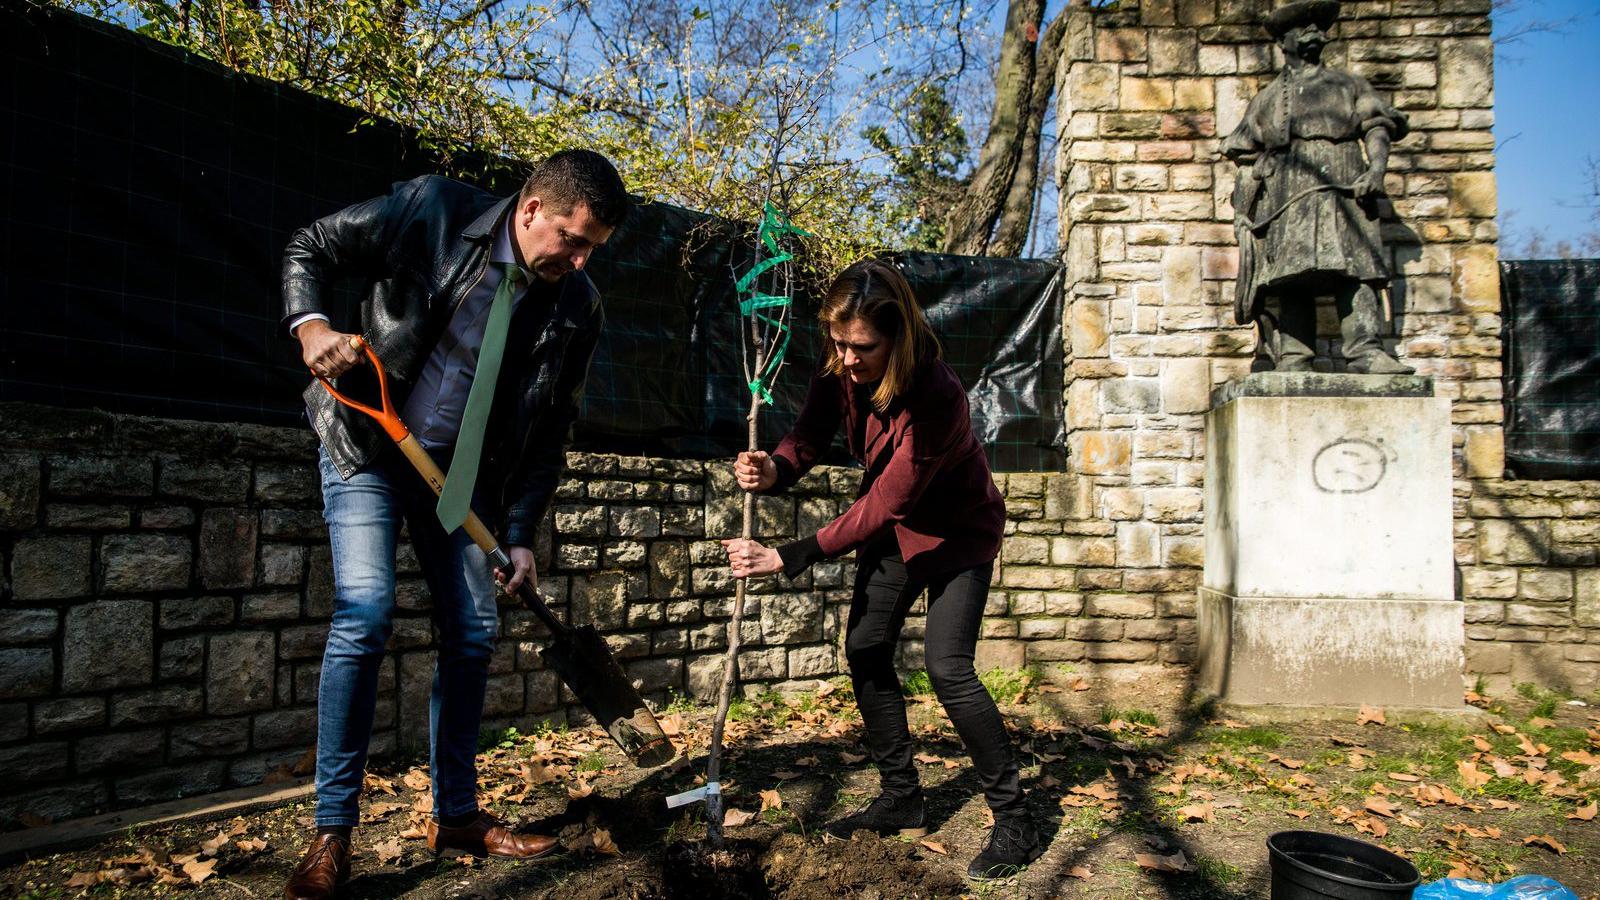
(1140,795)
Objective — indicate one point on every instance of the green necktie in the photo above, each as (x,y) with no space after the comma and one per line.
(455,501)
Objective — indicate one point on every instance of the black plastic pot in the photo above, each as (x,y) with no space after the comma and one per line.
(1309,864)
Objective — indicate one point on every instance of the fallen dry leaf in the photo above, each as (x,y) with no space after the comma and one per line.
(733,818)
(785,775)
(1078,684)
(580,789)
(196,868)
(1585,813)
(1541,722)
(250,845)
(849,758)
(771,800)
(1381,806)
(417,780)
(1156,862)
(1372,714)
(1300,813)
(388,851)
(1471,776)
(1482,745)
(935,846)
(927,758)
(602,842)
(1545,841)
(1403,776)
(1081,873)
(1196,812)
(806,761)
(1503,729)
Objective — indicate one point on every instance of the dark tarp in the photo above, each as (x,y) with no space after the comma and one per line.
(149,195)
(1551,321)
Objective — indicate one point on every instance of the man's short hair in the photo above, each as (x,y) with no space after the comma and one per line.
(569,177)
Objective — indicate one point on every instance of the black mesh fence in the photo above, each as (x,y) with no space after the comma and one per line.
(148,195)
(1551,319)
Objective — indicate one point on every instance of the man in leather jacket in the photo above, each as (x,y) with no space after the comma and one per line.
(449,272)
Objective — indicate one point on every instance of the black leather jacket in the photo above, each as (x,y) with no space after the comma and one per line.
(420,249)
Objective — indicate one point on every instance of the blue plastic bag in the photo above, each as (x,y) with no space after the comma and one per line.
(1523,887)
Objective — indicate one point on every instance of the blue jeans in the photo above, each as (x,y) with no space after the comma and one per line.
(364,516)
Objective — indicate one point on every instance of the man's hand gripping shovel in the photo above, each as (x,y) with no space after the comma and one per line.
(579,655)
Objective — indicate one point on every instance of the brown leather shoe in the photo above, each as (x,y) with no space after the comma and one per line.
(321,871)
(488,837)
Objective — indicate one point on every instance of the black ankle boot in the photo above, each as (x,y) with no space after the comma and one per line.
(1013,844)
(907,816)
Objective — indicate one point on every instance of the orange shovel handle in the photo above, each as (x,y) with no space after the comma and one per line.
(387,417)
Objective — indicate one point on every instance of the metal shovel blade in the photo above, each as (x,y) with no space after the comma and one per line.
(584,662)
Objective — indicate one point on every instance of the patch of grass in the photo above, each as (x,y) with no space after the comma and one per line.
(1216,870)
(1545,708)
(594,762)
(505,738)
(1008,685)
(917,684)
(1136,716)
(742,710)
(680,703)
(1259,736)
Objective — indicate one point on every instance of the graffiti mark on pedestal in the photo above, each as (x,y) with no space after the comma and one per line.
(1350,466)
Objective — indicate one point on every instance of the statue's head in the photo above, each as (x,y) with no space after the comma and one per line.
(1301,27)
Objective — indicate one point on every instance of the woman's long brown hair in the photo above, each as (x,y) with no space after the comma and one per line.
(875,291)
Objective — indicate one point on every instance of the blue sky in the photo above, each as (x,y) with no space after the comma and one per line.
(1547,124)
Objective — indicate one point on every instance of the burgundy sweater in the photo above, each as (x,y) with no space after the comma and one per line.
(926,475)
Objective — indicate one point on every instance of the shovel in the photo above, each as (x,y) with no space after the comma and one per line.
(579,655)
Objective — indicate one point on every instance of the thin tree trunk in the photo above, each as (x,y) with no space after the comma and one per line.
(714,811)
(970,223)
(1011,237)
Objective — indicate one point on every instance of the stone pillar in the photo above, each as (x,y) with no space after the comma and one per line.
(1329,577)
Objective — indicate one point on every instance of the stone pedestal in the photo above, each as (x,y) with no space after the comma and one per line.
(1329,575)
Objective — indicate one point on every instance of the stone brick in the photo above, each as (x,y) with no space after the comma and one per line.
(1489,584)
(209,738)
(87,516)
(1173,504)
(1146,94)
(1025,549)
(1131,395)
(704,677)
(50,568)
(1138,544)
(33,762)
(1120,44)
(101,476)
(282,564)
(58,802)
(1475,277)
(135,563)
(1485,453)
(1540,614)
(155,705)
(792,619)
(636,522)
(286,728)
(1088,326)
(1121,651)
(19,491)
(277,483)
(1093,86)
(1586,591)
(240,672)
(1054,651)
(1466,73)
(1546,584)
(658,676)
(1473,194)
(228,548)
(133,749)
(167,784)
(1120,606)
(182,658)
(276,607)
(600,599)
(108,644)
(1186,386)
(669,569)
(1502,542)
(763,665)
(1103,452)
(28,626)
(1173,51)
(813,662)
(194,612)
(208,480)
(69,714)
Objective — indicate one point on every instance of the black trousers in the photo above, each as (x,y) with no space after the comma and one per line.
(884,593)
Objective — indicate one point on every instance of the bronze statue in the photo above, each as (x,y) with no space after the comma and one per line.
(1306,207)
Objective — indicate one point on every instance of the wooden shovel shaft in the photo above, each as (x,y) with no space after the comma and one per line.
(480,534)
